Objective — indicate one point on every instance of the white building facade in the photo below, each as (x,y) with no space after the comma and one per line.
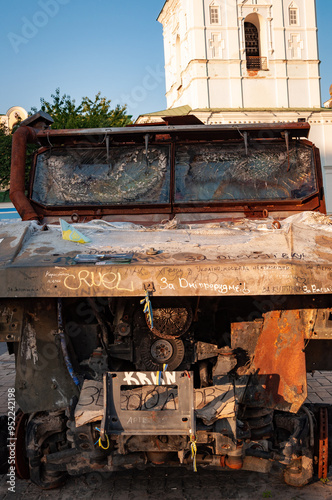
(13,115)
(241,53)
(246,61)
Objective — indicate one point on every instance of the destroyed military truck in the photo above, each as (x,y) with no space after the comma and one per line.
(181,329)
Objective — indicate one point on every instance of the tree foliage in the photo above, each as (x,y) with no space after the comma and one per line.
(90,113)
(5,158)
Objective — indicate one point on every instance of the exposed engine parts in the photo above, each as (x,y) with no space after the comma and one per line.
(156,352)
(171,318)
(144,398)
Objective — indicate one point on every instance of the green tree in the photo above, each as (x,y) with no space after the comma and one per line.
(88,114)
(5,159)
(66,114)
(6,137)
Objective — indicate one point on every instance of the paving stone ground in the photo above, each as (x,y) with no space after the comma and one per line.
(172,484)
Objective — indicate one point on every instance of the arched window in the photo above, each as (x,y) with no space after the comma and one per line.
(252,46)
(255,42)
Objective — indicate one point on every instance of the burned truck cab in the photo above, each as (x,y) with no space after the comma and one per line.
(165,295)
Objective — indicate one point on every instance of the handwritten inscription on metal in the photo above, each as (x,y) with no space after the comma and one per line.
(138,378)
(90,279)
(221,288)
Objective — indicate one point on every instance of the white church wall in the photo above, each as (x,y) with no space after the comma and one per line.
(214,70)
(290,50)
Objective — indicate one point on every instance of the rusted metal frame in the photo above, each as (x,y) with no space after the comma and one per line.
(33,171)
(172,177)
(176,207)
(278,128)
(196,207)
(22,137)
(143,208)
(323,465)
(313,203)
(287,148)
(139,208)
(319,175)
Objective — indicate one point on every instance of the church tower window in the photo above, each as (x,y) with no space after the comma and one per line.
(214,15)
(293,16)
(252,46)
(253,43)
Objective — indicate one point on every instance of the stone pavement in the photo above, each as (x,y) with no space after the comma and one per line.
(172,484)
(320,388)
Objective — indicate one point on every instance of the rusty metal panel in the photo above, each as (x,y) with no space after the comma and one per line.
(177,279)
(320,325)
(244,335)
(42,379)
(11,320)
(178,421)
(280,356)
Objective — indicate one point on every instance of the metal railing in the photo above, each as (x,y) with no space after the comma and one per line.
(257,63)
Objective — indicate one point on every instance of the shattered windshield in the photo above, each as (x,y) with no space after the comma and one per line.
(79,176)
(205,172)
(210,172)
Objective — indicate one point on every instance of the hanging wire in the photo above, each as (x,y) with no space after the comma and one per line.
(165,366)
(99,441)
(148,308)
(193,447)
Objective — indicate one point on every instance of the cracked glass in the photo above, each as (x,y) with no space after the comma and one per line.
(90,176)
(221,173)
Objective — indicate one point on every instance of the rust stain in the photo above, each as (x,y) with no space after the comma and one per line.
(279,355)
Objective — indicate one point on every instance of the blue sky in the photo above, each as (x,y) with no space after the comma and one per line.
(86,46)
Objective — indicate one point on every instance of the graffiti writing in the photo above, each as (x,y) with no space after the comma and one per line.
(316,289)
(93,395)
(260,255)
(139,378)
(157,398)
(221,288)
(92,279)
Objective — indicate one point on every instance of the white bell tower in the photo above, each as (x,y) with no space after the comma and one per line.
(236,54)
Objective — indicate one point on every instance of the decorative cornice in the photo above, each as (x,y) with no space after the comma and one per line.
(167,9)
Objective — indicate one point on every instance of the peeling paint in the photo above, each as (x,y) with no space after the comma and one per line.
(29,344)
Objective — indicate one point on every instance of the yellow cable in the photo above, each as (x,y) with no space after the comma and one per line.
(108,443)
(193,447)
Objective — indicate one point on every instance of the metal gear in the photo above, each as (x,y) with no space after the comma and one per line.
(171,319)
(156,352)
